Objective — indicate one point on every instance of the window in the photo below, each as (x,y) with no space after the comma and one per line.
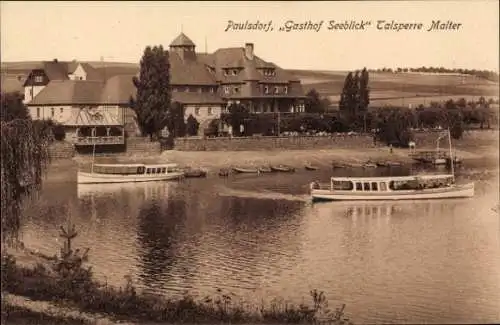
(225,72)
(374,186)
(209,111)
(235,72)
(52,112)
(359,186)
(196,111)
(148,171)
(212,90)
(38,112)
(276,90)
(383,187)
(158,170)
(266,90)
(38,78)
(236,90)
(226,89)
(187,89)
(342,185)
(200,90)
(61,110)
(163,170)
(285,90)
(175,89)
(366,186)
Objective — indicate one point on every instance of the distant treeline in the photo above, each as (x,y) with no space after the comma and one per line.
(484,74)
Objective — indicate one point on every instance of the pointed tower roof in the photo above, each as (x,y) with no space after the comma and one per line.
(182,40)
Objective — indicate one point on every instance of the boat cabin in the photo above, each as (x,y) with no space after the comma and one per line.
(385,184)
(134,169)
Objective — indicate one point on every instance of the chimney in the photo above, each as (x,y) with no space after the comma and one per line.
(55,61)
(249,51)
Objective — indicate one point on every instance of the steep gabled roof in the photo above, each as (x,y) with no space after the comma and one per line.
(118,90)
(69,92)
(56,70)
(182,40)
(189,72)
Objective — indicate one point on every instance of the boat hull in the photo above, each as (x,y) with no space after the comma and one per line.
(456,191)
(245,171)
(95,178)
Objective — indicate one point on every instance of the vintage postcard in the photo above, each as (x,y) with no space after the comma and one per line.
(326,162)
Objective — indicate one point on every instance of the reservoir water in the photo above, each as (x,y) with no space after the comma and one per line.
(259,238)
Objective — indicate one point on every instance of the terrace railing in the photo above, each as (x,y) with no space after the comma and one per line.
(85,141)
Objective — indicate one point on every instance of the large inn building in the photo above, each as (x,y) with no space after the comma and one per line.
(93,102)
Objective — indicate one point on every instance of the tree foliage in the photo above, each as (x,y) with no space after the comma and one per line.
(355,97)
(24,157)
(12,107)
(175,123)
(314,103)
(192,125)
(237,116)
(152,103)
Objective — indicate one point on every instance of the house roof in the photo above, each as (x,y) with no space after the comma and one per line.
(182,40)
(84,117)
(56,70)
(118,89)
(196,98)
(69,92)
(189,72)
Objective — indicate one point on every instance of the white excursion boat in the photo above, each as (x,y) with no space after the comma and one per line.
(392,187)
(125,173)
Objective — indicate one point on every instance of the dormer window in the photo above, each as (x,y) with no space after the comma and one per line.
(38,78)
(266,90)
(226,72)
(276,90)
(235,72)
(236,90)
(285,90)
(226,89)
(212,90)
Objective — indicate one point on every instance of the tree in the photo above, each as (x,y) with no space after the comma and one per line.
(24,157)
(175,123)
(152,104)
(364,91)
(192,125)
(238,113)
(348,99)
(314,103)
(12,107)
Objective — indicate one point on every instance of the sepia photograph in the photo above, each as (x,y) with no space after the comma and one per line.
(250,162)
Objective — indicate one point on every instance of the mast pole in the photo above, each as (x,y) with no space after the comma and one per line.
(93,159)
(451,156)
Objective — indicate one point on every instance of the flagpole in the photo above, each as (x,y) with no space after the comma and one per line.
(451,155)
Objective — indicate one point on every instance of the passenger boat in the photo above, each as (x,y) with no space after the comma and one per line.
(391,188)
(310,167)
(245,170)
(125,173)
(282,168)
(265,169)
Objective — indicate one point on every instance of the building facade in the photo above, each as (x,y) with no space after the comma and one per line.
(205,84)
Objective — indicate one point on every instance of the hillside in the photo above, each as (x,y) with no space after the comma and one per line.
(389,88)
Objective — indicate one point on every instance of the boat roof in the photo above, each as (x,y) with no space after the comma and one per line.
(391,178)
(136,165)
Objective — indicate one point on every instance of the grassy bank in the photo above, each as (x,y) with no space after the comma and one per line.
(70,286)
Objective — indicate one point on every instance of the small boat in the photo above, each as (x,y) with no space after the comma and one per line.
(391,188)
(245,170)
(125,173)
(224,172)
(382,164)
(265,170)
(282,168)
(394,164)
(369,165)
(338,165)
(355,165)
(194,173)
(310,167)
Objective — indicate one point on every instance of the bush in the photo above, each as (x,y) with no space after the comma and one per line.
(59,132)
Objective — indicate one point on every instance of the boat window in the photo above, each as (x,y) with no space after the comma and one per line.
(383,186)
(342,185)
(148,171)
(158,170)
(163,170)
(391,185)
(366,186)
(374,186)
(359,186)
(171,169)
(140,170)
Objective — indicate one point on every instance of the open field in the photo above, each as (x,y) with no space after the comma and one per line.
(402,88)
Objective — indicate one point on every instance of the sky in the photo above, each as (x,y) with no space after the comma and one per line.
(119,31)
